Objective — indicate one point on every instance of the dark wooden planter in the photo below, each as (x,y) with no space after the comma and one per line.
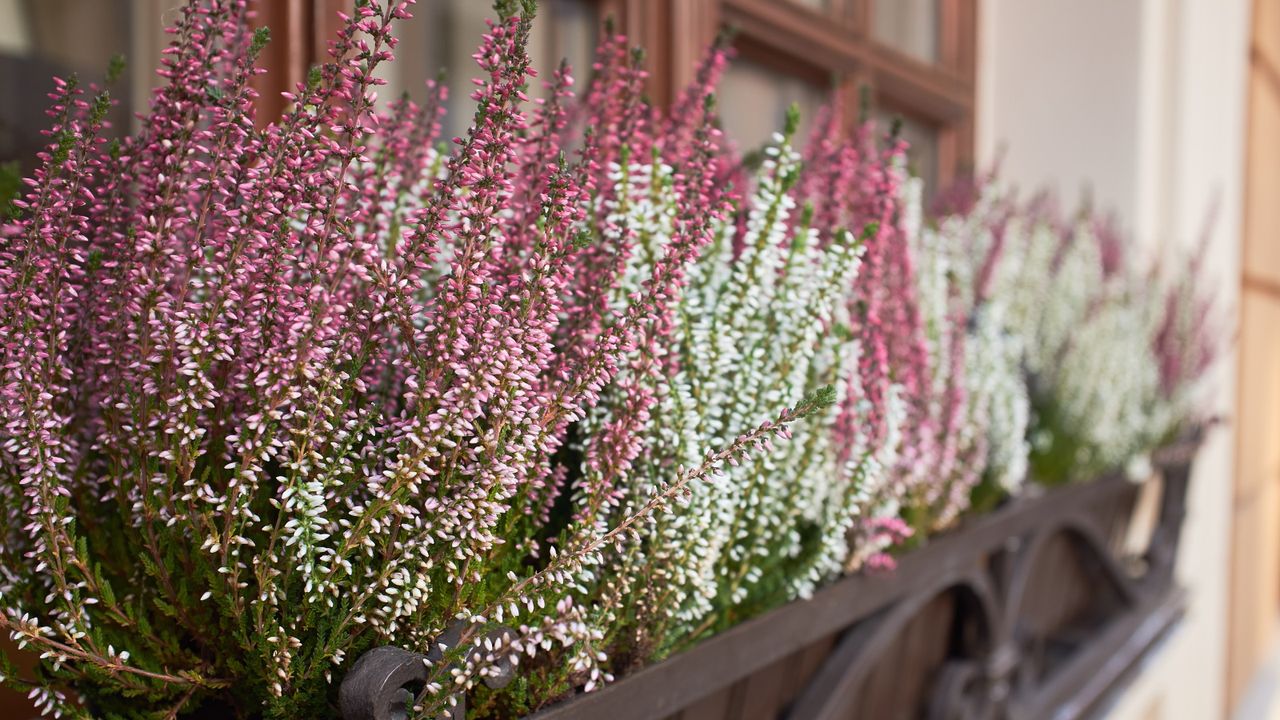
(1038,610)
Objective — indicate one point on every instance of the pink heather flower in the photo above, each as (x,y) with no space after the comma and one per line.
(857,183)
(1187,338)
(315,373)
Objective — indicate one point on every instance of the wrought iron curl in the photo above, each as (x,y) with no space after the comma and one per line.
(384,682)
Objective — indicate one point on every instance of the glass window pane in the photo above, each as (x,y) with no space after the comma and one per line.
(820,5)
(444,34)
(909,26)
(922,146)
(753,102)
(43,38)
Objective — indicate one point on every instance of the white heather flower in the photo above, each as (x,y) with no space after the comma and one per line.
(755,332)
(990,436)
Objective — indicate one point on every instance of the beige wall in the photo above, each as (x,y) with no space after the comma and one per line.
(1143,101)
(1055,78)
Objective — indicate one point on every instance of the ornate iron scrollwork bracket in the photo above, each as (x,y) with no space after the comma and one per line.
(960,692)
(385,681)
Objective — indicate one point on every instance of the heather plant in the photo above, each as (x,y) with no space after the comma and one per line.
(1088,365)
(762,322)
(273,396)
(1112,355)
(1186,344)
(975,363)
(910,337)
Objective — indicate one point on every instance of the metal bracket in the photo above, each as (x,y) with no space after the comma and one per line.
(385,681)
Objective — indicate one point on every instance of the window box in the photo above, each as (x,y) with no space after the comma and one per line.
(1039,609)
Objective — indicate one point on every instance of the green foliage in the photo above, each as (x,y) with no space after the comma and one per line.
(115,68)
(10,187)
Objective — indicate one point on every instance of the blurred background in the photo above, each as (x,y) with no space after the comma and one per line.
(1166,112)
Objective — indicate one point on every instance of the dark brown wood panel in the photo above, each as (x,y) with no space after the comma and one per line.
(713,707)
(897,687)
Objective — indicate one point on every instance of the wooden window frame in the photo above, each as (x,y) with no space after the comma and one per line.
(301,31)
(834,45)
